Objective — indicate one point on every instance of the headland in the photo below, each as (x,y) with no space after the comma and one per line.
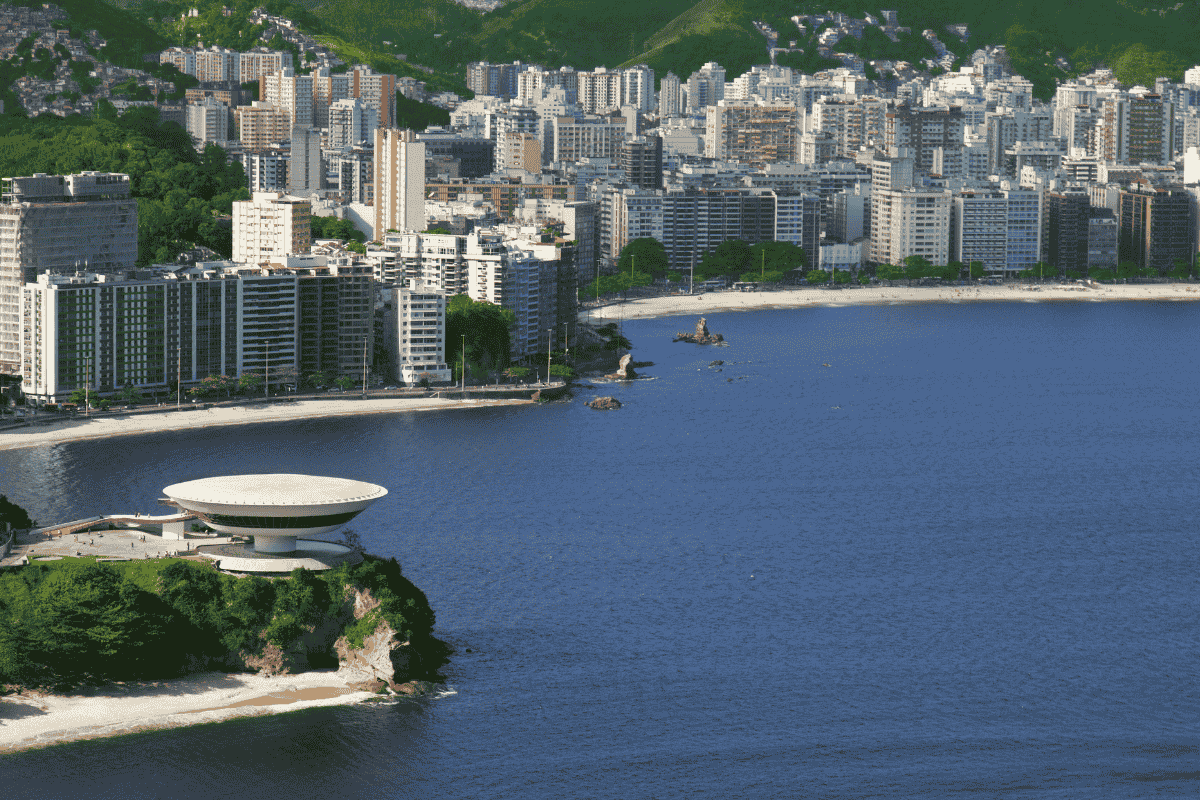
(815,297)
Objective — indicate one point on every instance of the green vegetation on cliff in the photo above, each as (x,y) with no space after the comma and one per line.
(180,193)
(75,622)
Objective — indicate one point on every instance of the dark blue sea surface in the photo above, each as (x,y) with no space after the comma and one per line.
(890,551)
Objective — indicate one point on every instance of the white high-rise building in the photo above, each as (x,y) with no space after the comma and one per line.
(399,182)
(705,87)
(86,221)
(351,122)
(670,96)
(208,120)
(415,328)
(271,225)
(292,94)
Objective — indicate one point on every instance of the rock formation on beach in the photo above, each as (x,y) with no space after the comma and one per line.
(605,404)
(700,335)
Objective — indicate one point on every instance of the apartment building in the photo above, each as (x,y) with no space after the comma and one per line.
(928,133)
(979,229)
(270,226)
(208,121)
(261,125)
(1081,236)
(399,182)
(87,221)
(1136,129)
(590,137)
(415,331)
(290,93)
(1157,227)
(516,150)
(751,133)
(350,122)
(290,318)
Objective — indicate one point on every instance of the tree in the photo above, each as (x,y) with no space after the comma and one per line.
(249,382)
(646,255)
(214,385)
(344,382)
(731,257)
(80,396)
(781,257)
(487,330)
(130,395)
(816,276)
(976,269)
(916,267)
(14,515)
(334,228)
(317,380)
(1182,270)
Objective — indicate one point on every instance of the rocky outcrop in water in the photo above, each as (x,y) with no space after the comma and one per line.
(605,404)
(624,369)
(700,335)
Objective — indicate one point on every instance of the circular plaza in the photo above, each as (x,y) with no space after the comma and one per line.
(277,511)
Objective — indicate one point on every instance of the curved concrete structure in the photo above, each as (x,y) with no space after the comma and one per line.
(275,509)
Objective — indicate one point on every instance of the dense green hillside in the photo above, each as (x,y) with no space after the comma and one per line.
(680,35)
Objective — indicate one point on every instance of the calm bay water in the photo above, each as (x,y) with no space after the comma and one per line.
(960,558)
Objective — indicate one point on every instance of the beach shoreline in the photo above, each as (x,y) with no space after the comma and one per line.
(815,297)
(70,429)
(30,720)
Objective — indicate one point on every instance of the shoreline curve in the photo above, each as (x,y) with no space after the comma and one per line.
(75,429)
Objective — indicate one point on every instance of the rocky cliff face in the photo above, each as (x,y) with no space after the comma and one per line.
(384,660)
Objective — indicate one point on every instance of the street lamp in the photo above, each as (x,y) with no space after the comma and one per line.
(549,347)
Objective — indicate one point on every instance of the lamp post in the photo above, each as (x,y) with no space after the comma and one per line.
(364,385)
(463,376)
(549,348)
(566,342)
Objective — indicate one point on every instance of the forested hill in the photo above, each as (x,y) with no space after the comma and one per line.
(680,35)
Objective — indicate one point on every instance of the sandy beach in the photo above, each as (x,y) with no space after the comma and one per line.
(34,720)
(76,428)
(713,302)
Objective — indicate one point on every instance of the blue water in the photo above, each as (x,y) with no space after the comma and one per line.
(961,559)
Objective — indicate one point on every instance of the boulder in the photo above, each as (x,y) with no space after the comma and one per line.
(605,404)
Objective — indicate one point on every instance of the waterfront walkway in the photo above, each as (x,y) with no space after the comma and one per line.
(121,544)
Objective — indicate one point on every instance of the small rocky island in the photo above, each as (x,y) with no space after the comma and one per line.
(700,335)
(604,404)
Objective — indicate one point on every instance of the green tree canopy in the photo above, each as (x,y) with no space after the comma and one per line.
(731,257)
(487,329)
(646,255)
(13,514)
(334,228)
(777,256)
(180,193)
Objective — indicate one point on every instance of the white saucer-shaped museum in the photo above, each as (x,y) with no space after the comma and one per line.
(275,509)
